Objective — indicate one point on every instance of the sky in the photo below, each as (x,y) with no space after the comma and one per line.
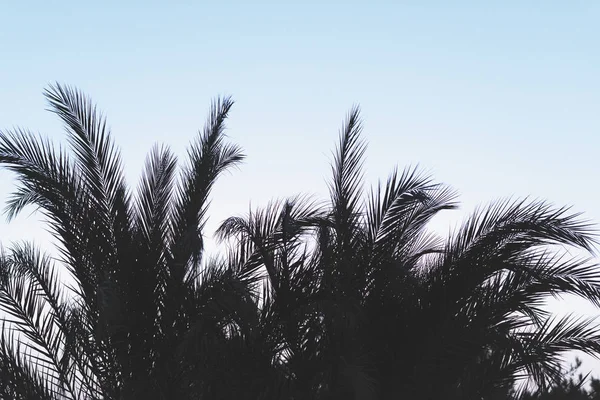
(496,99)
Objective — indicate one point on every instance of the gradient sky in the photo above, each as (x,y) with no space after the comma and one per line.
(495,99)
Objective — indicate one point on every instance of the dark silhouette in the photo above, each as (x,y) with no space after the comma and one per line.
(141,306)
(351,298)
(570,387)
(371,305)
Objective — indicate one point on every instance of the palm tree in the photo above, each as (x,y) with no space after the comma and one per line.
(368,304)
(146,316)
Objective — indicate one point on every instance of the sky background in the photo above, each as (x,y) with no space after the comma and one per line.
(496,99)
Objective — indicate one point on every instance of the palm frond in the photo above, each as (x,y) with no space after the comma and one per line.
(153,224)
(154,198)
(26,260)
(393,201)
(99,168)
(45,175)
(19,379)
(209,157)
(346,185)
(28,304)
(48,178)
(543,349)
(529,223)
(98,160)
(493,240)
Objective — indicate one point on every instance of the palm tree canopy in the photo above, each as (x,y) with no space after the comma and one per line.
(140,298)
(352,297)
(371,304)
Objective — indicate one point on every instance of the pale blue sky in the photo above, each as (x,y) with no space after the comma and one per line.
(496,99)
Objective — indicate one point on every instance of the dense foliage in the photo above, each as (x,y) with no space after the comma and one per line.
(348,298)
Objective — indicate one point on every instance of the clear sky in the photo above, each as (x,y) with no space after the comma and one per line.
(495,98)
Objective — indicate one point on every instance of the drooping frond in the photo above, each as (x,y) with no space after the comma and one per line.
(34,312)
(543,349)
(98,165)
(529,223)
(19,379)
(98,160)
(492,240)
(46,176)
(397,216)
